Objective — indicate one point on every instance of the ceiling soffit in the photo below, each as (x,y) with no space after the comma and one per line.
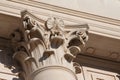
(8,24)
(102,47)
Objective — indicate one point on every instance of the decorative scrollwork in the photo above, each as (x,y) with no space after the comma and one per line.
(48,44)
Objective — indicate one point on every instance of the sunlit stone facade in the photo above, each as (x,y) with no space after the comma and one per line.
(49,40)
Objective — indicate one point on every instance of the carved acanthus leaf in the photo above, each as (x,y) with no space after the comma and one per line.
(49,44)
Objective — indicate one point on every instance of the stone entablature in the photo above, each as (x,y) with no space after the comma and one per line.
(99,25)
(45,48)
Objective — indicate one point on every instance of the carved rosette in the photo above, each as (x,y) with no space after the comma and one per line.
(44,48)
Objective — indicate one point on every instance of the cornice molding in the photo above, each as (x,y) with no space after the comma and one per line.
(69,11)
(98,25)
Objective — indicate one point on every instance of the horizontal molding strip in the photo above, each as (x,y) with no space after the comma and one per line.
(13,74)
(69,12)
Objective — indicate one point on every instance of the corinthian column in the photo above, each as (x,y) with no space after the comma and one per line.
(45,50)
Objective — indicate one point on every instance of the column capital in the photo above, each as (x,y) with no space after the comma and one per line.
(44,44)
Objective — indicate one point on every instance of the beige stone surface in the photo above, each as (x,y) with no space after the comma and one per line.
(108,8)
(59,22)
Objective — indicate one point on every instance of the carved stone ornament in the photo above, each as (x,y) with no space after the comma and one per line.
(47,50)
